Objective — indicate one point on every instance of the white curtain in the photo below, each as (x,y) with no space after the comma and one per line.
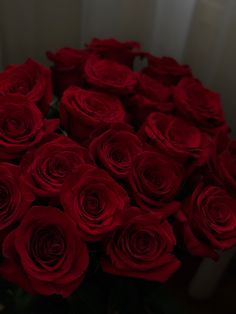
(198,32)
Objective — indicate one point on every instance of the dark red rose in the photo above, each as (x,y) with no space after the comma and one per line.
(208,221)
(151,96)
(141,248)
(15,198)
(200,105)
(155,181)
(94,201)
(45,254)
(165,69)
(114,150)
(110,76)
(222,165)
(21,126)
(155,90)
(44,169)
(82,111)
(176,137)
(30,79)
(121,52)
(68,68)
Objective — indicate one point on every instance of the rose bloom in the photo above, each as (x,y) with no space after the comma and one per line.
(44,169)
(21,126)
(208,221)
(222,165)
(83,111)
(94,201)
(200,105)
(165,69)
(68,68)
(141,248)
(114,150)
(15,197)
(44,254)
(177,138)
(30,79)
(155,180)
(151,96)
(121,52)
(110,76)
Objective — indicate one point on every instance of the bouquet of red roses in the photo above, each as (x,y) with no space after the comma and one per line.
(138,168)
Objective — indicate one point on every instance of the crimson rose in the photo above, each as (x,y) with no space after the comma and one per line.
(15,198)
(45,254)
(44,169)
(151,96)
(121,52)
(110,76)
(222,165)
(68,68)
(155,181)
(21,126)
(141,248)
(165,69)
(208,221)
(82,111)
(200,105)
(30,79)
(114,150)
(94,201)
(176,137)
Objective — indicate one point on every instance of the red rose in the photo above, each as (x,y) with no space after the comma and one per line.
(15,198)
(141,248)
(165,69)
(68,68)
(151,96)
(222,165)
(176,137)
(121,52)
(110,76)
(94,201)
(208,221)
(155,180)
(84,111)
(200,105)
(21,126)
(45,254)
(30,79)
(114,150)
(44,169)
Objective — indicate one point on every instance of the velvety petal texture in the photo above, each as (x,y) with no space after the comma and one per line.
(142,248)
(94,201)
(45,254)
